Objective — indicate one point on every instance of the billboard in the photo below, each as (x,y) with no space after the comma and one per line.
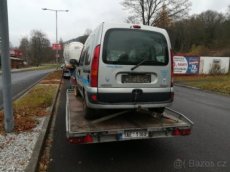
(56,47)
(15,53)
(186,64)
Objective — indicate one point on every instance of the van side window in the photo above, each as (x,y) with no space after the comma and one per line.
(82,57)
(89,50)
(86,55)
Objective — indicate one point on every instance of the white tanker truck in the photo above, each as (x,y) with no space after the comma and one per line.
(72,51)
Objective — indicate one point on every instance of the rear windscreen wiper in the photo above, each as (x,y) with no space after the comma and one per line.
(141,62)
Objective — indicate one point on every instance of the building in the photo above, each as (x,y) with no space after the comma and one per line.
(15,59)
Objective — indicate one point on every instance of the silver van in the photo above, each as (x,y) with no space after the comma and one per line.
(125,66)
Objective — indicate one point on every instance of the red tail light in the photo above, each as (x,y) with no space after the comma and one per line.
(81,140)
(94,97)
(185,132)
(176,132)
(94,67)
(88,139)
(181,132)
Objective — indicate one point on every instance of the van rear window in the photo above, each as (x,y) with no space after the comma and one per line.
(130,47)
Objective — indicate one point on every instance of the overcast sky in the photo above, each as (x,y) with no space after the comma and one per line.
(27,15)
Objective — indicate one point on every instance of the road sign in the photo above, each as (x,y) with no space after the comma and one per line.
(56,47)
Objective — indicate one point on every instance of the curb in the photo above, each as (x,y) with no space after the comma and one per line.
(187,86)
(200,89)
(16,71)
(36,155)
(23,70)
(24,91)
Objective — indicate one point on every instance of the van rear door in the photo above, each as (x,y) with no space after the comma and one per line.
(134,59)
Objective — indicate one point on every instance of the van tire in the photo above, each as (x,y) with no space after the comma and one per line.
(76,92)
(89,113)
(157,110)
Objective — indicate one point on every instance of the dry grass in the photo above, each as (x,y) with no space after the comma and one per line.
(218,83)
(53,78)
(33,104)
(54,75)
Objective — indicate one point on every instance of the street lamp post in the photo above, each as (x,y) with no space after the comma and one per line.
(6,74)
(56,13)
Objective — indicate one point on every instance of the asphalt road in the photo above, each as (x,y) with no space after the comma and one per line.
(207,149)
(23,80)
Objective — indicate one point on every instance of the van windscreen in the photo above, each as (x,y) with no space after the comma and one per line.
(130,47)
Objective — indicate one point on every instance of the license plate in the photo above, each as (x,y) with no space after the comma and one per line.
(135,134)
(141,78)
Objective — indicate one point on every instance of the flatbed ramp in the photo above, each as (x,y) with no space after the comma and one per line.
(130,125)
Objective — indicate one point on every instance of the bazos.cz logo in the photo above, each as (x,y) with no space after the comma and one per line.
(179,164)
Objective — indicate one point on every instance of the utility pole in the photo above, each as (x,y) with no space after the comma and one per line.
(6,73)
(57,55)
(56,13)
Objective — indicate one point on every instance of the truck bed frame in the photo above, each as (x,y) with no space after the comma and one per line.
(121,126)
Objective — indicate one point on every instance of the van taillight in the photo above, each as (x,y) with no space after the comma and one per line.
(172,66)
(94,67)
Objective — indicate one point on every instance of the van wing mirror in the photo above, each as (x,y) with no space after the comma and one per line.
(74,62)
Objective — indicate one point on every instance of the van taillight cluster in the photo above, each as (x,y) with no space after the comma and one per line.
(94,67)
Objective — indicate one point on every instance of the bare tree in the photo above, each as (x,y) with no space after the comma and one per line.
(163,19)
(228,13)
(148,12)
(25,48)
(210,17)
(207,33)
(39,46)
(212,22)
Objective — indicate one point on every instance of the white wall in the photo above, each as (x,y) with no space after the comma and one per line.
(207,63)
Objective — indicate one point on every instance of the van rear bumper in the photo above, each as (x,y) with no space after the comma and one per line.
(128,100)
(129,97)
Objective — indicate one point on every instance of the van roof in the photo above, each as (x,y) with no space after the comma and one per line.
(130,25)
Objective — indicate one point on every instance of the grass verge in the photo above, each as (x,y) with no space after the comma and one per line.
(41,67)
(47,66)
(33,104)
(217,83)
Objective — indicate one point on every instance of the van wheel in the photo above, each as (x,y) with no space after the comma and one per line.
(76,92)
(157,110)
(89,113)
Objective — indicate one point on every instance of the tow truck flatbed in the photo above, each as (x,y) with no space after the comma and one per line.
(128,126)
